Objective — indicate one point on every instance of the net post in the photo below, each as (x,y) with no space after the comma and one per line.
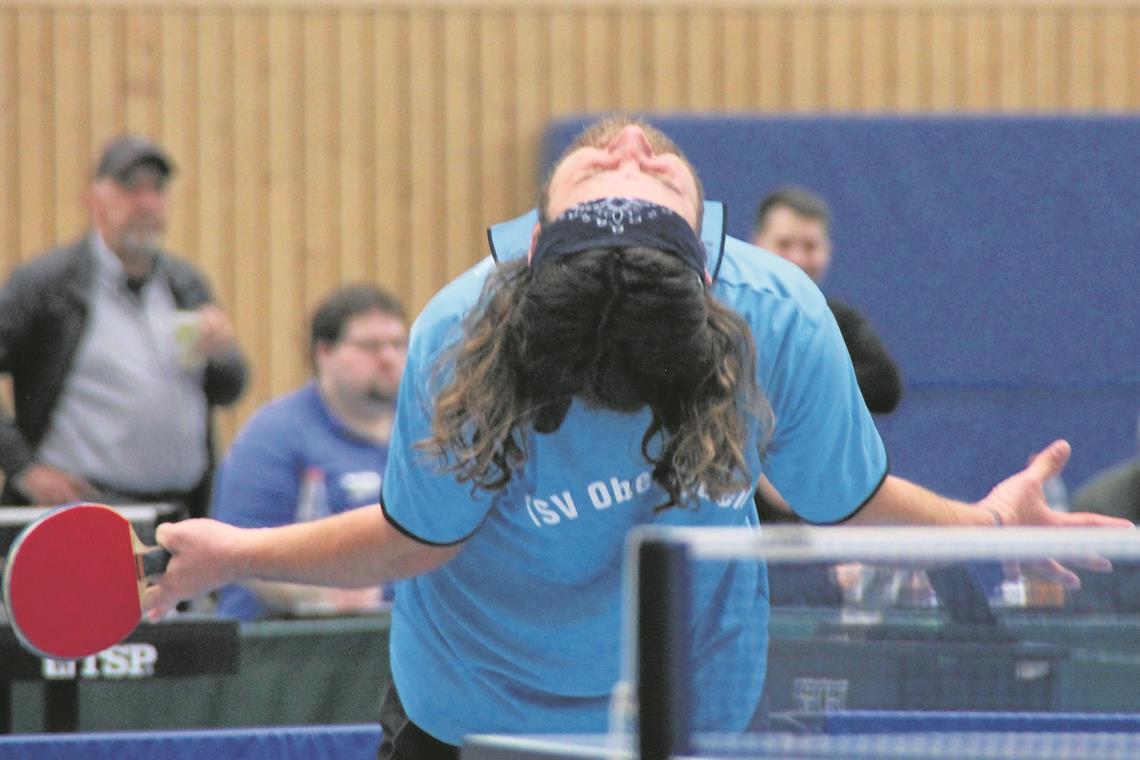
(663,638)
(5,705)
(61,705)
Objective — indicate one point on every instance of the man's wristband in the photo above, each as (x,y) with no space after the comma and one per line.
(998,522)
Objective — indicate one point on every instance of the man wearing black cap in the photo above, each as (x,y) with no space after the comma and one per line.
(116,353)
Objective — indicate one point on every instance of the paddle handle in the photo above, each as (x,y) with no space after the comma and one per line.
(154,561)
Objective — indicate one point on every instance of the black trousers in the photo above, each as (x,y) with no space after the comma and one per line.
(404,740)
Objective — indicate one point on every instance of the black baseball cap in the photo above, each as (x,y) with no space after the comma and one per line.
(126,152)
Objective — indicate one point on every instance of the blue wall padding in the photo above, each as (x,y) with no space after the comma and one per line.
(999,258)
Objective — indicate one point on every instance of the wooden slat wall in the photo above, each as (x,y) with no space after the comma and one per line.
(325,142)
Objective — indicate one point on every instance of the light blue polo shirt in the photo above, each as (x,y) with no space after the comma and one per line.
(521,632)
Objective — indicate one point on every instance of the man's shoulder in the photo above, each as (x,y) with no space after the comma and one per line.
(61,262)
(280,417)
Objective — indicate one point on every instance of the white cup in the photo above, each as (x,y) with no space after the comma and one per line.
(188,335)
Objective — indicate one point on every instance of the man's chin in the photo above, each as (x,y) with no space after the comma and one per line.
(380,396)
(142,245)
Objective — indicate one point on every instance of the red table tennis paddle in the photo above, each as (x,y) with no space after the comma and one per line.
(74,578)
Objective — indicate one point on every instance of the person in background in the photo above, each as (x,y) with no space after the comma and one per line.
(1114,491)
(794,223)
(321,449)
(117,353)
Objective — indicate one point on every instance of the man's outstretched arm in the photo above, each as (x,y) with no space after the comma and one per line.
(355,548)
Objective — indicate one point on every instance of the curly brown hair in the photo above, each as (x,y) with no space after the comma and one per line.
(620,329)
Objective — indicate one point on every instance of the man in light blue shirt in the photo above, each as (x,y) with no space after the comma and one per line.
(599,378)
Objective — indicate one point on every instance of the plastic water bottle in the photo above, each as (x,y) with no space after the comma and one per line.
(312,504)
(313,498)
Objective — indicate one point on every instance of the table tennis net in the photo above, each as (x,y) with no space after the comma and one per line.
(742,639)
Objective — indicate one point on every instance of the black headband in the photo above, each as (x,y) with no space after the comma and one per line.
(620,223)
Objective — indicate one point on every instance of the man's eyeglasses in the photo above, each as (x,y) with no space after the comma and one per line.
(377,346)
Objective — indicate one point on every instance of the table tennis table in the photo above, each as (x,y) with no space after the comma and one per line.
(143,517)
(177,648)
(887,735)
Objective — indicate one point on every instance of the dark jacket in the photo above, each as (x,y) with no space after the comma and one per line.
(43,312)
(879,379)
(1115,491)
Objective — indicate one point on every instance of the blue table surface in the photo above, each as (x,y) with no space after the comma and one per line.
(856,734)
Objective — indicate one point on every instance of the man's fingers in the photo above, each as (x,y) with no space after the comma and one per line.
(1102,521)
(82,488)
(1046,569)
(1054,572)
(157,600)
(1094,563)
(1050,460)
(155,604)
(1091,520)
(166,536)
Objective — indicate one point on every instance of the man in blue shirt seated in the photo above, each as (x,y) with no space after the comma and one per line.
(319,450)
